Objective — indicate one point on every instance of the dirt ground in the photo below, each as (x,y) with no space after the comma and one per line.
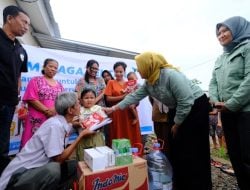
(222,181)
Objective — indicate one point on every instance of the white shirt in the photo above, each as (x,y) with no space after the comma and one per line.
(48,141)
(85,112)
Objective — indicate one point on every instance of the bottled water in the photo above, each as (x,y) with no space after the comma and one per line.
(159,170)
(135,152)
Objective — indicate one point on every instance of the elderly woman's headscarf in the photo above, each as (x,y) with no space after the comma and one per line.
(149,65)
(240,29)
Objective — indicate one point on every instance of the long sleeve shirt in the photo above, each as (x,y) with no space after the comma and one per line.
(172,89)
(230,81)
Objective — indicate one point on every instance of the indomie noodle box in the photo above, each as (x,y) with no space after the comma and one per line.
(131,176)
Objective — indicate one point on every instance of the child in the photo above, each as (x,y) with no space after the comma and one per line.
(216,129)
(88,107)
(131,76)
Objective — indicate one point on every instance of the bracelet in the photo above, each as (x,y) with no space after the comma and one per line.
(113,108)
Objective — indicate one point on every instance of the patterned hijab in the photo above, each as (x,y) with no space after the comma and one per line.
(240,29)
(149,65)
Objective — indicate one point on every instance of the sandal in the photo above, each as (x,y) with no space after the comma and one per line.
(228,170)
(216,164)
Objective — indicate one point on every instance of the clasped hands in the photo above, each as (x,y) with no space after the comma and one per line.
(50,112)
(220,106)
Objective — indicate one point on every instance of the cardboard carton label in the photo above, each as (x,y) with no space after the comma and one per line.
(107,179)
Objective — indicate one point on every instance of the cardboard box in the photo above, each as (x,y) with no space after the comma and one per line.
(94,159)
(129,177)
(109,155)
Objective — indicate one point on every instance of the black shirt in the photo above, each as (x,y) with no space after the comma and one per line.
(13,61)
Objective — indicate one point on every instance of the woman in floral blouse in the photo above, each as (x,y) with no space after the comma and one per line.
(40,96)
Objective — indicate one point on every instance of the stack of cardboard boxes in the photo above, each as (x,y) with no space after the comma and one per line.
(116,169)
(127,177)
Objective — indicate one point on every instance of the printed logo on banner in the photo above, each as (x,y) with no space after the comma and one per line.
(107,180)
(69,70)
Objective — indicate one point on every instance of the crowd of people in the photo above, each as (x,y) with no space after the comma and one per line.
(183,115)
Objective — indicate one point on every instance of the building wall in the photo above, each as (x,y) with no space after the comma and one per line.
(27,38)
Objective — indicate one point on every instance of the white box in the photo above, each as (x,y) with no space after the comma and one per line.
(94,159)
(109,155)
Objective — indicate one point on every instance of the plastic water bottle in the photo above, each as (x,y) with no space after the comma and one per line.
(159,170)
(135,152)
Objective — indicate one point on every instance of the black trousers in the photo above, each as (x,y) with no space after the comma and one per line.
(190,150)
(6,116)
(236,128)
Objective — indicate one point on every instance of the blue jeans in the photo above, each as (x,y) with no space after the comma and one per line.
(6,116)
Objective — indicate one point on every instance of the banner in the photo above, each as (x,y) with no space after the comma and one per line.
(71,68)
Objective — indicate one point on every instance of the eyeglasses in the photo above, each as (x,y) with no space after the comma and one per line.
(94,69)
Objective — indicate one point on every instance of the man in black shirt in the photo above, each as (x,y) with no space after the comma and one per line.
(13,61)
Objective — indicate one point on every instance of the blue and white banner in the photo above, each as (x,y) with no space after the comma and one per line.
(71,68)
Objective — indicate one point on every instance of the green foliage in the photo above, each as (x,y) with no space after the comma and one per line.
(220,153)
